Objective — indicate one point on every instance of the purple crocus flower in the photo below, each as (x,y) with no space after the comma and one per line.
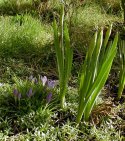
(51,84)
(30,92)
(44,80)
(49,97)
(15,92)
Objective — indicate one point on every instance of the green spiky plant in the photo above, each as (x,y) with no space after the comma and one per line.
(122,68)
(95,71)
(64,55)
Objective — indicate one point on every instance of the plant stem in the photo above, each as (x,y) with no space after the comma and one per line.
(63,101)
(123,7)
(79,116)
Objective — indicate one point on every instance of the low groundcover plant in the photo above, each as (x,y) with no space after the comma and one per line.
(32,89)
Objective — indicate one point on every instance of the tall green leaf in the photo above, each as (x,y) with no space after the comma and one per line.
(122,68)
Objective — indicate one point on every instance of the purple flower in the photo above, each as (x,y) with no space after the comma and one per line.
(44,80)
(51,84)
(49,97)
(30,92)
(15,92)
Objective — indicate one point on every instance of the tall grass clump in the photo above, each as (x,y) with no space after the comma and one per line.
(64,55)
(122,68)
(95,71)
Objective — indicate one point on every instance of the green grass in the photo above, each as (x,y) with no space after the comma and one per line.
(86,21)
(26,48)
(23,35)
(13,6)
(91,15)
